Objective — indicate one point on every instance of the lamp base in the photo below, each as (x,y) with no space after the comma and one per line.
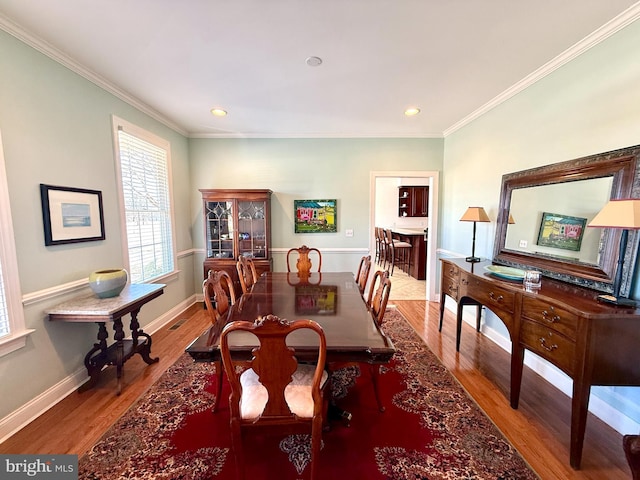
(473,259)
(620,301)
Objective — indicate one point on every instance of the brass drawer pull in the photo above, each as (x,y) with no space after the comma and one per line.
(550,318)
(452,289)
(548,348)
(464,281)
(499,298)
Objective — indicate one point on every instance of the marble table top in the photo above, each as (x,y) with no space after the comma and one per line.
(90,305)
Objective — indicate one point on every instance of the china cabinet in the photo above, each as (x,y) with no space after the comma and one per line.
(236,223)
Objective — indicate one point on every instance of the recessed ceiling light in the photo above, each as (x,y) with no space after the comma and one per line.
(411,111)
(313,61)
(218,112)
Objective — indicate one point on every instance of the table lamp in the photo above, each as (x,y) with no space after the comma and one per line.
(511,220)
(624,214)
(474,214)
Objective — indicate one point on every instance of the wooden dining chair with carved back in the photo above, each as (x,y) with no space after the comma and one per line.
(363,273)
(379,291)
(304,264)
(246,273)
(219,295)
(377,300)
(274,390)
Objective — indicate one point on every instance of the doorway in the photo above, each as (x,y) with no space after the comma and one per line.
(432,219)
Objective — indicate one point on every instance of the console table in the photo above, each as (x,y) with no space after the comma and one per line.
(89,308)
(592,342)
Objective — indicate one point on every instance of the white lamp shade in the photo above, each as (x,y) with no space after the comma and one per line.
(622,213)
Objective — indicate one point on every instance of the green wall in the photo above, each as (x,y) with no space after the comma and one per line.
(308,168)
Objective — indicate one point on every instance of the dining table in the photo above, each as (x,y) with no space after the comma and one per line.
(332,299)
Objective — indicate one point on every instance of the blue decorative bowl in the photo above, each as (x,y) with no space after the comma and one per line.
(108,283)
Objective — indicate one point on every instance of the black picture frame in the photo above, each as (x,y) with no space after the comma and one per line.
(71,215)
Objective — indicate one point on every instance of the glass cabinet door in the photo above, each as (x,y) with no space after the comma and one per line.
(219,222)
(252,229)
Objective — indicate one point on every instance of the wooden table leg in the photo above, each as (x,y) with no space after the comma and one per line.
(118,336)
(631,446)
(94,366)
(145,349)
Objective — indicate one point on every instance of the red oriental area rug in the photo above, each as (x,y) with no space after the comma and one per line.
(431,429)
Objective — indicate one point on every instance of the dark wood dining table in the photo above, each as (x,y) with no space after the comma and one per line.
(331,299)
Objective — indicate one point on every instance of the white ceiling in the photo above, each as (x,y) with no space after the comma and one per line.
(178,59)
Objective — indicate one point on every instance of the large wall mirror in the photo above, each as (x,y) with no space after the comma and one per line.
(544,213)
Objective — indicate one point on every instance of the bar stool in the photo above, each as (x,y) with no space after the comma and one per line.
(397,250)
(379,244)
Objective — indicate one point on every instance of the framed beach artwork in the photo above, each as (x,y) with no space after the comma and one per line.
(315,216)
(561,231)
(71,215)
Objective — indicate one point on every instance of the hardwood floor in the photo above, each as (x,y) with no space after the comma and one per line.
(539,429)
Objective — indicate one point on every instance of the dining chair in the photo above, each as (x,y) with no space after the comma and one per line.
(363,273)
(219,295)
(377,300)
(246,273)
(303,263)
(275,390)
(379,291)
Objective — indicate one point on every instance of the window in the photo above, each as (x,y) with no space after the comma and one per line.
(144,170)
(12,328)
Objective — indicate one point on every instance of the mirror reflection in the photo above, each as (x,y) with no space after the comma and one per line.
(580,200)
(551,206)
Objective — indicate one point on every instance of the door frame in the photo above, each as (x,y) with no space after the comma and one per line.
(432,224)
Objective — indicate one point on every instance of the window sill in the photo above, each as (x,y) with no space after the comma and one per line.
(14,342)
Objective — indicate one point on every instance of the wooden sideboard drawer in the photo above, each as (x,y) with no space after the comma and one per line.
(449,270)
(551,316)
(450,287)
(549,344)
(488,293)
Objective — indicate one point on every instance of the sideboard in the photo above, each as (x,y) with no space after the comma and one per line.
(592,342)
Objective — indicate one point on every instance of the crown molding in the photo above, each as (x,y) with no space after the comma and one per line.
(313,136)
(608,29)
(58,56)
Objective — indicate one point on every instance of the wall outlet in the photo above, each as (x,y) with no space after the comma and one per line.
(349,232)
(523,244)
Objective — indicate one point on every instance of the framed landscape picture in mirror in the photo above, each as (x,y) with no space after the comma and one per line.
(71,215)
(561,231)
(315,216)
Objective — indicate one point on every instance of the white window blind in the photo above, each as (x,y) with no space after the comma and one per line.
(13,332)
(144,170)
